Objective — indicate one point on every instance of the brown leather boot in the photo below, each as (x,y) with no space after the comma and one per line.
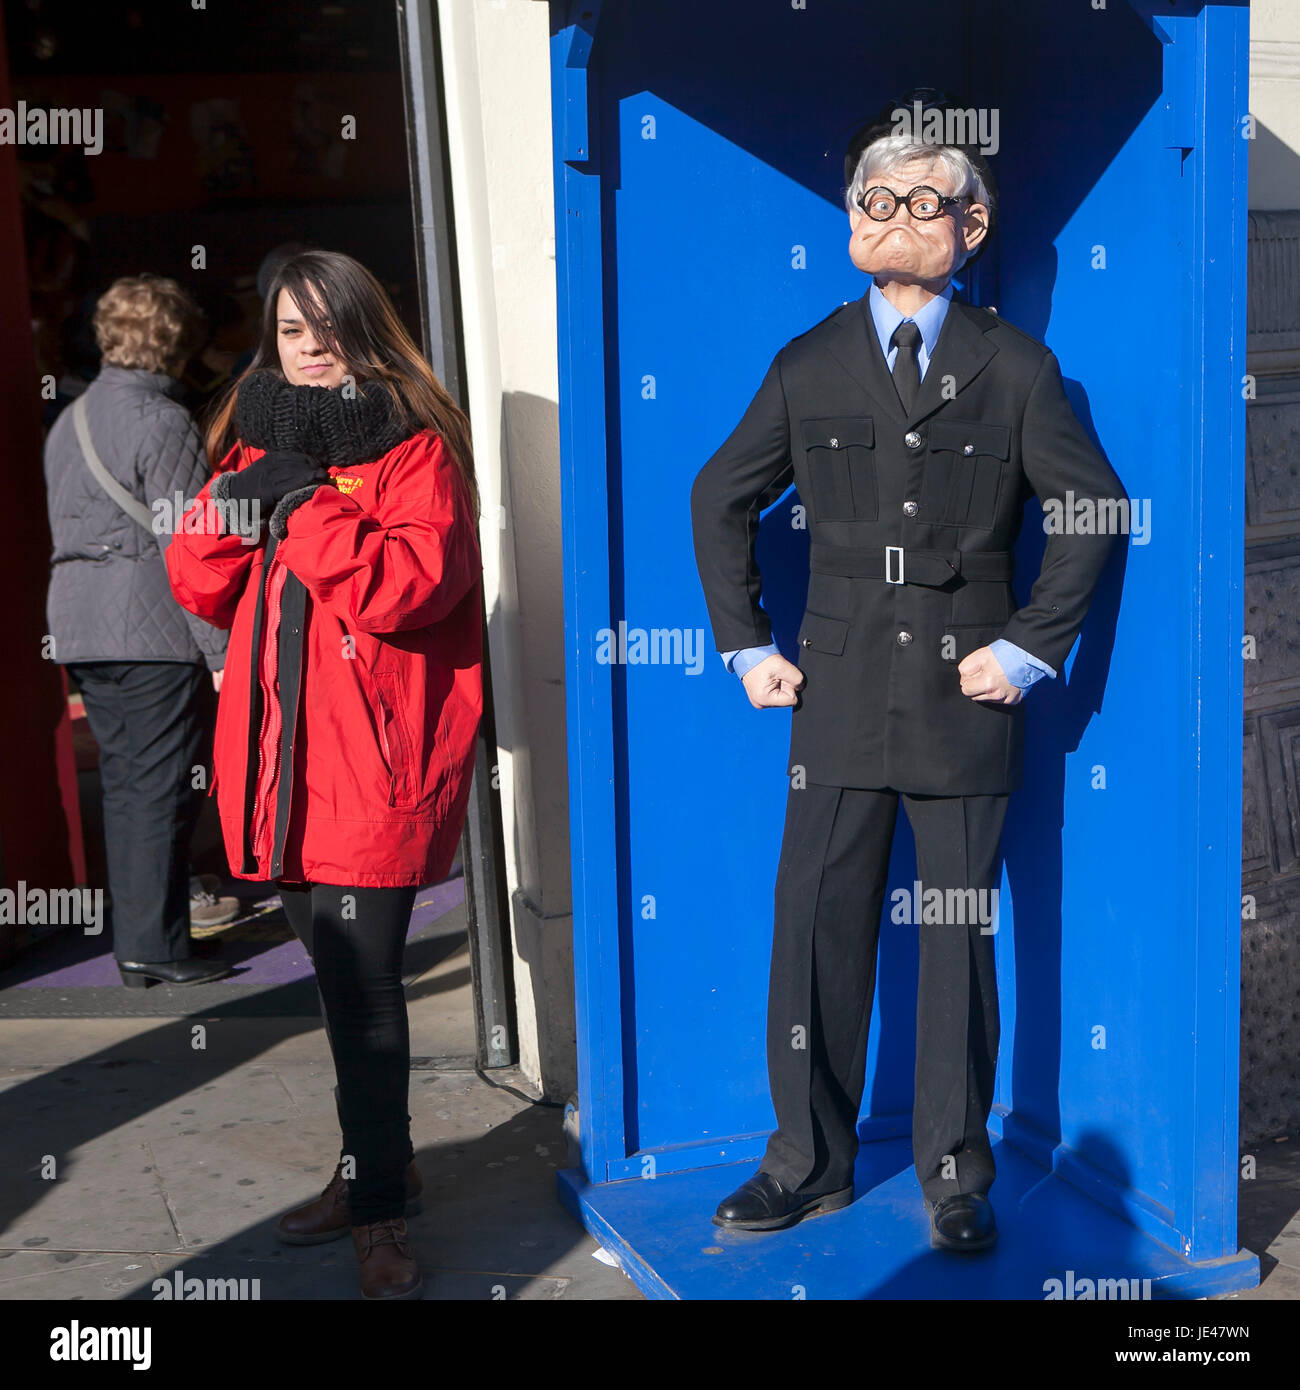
(326,1218)
(386,1260)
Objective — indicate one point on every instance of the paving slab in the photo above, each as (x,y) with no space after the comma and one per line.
(176,1158)
(69,1276)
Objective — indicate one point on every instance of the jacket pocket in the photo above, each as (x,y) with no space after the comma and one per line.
(395,739)
(842,466)
(975,453)
(821,634)
(960,639)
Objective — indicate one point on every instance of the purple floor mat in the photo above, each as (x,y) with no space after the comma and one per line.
(254,945)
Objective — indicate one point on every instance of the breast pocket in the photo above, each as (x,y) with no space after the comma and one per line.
(842,466)
(975,455)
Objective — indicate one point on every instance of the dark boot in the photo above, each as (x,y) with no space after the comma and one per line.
(141,974)
(326,1218)
(386,1261)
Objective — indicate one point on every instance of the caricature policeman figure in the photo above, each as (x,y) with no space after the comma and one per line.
(915,427)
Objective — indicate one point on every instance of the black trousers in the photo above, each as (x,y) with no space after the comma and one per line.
(355,938)
(829,895)
(147,717)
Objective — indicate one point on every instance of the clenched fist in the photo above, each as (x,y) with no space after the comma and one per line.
(773,682)
(983,679)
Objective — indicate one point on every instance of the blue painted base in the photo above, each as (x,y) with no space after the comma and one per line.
(879,1247)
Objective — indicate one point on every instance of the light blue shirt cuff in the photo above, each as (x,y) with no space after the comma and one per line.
(743,660)
(1021,669)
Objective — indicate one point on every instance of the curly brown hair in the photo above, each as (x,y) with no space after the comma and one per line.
(147,322)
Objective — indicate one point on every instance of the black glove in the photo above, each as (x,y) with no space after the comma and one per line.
(274,474)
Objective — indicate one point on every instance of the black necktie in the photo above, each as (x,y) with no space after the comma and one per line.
(907,371)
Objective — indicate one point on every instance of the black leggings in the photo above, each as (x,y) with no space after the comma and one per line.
(355,938)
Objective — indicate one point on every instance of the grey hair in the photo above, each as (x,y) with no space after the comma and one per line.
(890,152)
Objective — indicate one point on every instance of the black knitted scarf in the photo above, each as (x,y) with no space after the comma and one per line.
(335,429)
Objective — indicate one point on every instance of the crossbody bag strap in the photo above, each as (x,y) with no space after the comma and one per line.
(132,506)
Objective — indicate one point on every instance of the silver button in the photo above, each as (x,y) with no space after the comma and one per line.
(904,638)
(968,448)
(910,509)
(912,439)
(835,443)
(807,642)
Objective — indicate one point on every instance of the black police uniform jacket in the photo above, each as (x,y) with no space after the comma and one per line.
(934,497)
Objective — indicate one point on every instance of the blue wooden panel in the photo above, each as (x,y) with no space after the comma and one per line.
(586,596)
(698,229)
(1093,1038)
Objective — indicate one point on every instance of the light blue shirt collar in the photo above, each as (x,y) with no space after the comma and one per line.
(929,320)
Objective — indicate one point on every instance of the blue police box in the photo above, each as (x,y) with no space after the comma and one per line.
(699,226)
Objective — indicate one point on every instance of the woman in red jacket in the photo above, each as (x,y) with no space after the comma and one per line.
(337,541)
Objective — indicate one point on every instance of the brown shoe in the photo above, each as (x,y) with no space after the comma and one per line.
(327,1218)
(388,1267)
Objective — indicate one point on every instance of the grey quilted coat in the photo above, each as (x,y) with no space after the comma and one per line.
(109,597)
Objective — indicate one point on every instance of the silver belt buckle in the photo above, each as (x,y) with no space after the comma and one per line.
(897,550)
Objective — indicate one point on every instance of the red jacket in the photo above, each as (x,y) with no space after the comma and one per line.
(344,748)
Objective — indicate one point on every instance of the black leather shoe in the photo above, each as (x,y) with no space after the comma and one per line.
(140,975)
(962,1222)
(763,1204)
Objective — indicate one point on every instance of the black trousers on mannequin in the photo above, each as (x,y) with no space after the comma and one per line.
(355,938)
(147,718)
(829,895)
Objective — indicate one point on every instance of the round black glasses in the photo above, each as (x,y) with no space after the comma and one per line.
(923,202)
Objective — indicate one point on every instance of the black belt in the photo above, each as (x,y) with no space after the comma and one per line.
(904,565)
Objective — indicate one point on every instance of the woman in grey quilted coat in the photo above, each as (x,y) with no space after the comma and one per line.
(139,658)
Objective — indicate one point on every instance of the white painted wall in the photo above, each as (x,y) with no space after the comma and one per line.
(1275,104)
(496,66)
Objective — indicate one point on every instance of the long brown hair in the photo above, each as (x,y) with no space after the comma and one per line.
(347,308)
